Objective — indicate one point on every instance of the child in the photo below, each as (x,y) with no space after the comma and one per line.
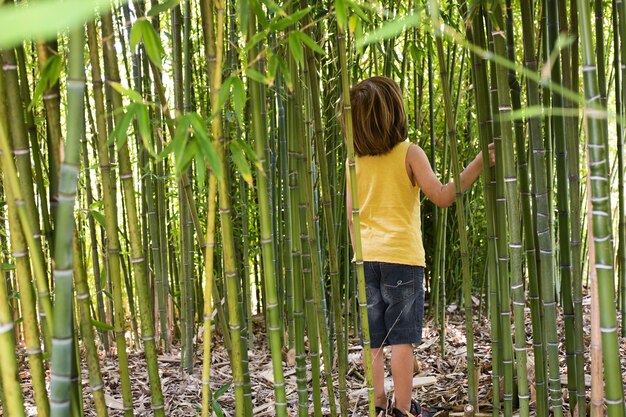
(390,173)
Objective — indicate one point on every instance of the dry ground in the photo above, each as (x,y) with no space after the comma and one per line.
(182,392)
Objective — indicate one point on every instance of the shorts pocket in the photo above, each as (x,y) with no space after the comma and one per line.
(399,289)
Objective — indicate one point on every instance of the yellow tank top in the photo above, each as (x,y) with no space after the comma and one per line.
(389,209)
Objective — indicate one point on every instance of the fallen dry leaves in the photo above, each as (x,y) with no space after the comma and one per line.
(441,381)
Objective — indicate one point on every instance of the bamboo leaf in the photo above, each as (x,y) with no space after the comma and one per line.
(284,22)
(50,74)
(152,43)
(223,97)
(98,217)
(284,71)
(133,95)
(239,98)
(390,29)
(296,48)
(239,158)
(306,39)
(261,16)
(221,391)
(163,7)
(145,129)
(272,67)
(179,143)
(258,37)
(121,128)
(188,155)
(257,76)
(136,33)
(251,154)
(101,325)
(44,20)
(205,143)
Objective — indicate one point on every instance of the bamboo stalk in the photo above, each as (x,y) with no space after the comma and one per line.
(107,176)
(62,332)
(456,174)
(601,218)
(347,114)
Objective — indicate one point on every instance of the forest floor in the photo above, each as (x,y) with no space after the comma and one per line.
(445,377)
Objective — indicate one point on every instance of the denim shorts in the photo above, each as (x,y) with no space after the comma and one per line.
(395,303)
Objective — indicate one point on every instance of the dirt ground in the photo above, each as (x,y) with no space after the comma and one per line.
(444,376)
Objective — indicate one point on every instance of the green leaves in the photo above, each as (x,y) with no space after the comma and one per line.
(48,77)
(144,31)
(162,7)
(192,142)
(390,29)
(296,39)
(139,113)
(44,20)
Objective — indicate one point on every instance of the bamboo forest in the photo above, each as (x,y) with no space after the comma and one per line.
(174,236)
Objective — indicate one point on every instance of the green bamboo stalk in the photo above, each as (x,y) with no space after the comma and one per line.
(460,210)
(21,150)
(347,114)
(209,271)
(95,254)
(528,225)
(477,36)
(259,130)
(514,232)
(620,96)
(573,172)
(12,398)
(540,215)
(107,177)
(559,133)
(601,215)
(136,252)
(19,233)
(297,249)
(214,34)
(329,223)
(62,332)
(83,299)
(34,143)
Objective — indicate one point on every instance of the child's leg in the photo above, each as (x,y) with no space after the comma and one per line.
(402,371)
(378,369)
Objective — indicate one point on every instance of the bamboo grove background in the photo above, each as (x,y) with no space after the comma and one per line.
(177,166)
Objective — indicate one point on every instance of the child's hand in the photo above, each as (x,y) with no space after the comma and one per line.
(492,154)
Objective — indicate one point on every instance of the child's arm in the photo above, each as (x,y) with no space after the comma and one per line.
(442,195)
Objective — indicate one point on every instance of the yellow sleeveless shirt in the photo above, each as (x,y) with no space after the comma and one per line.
(389,209)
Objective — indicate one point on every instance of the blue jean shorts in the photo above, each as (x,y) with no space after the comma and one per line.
(395,303)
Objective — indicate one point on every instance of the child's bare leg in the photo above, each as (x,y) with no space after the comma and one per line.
(402,371)
(378,369)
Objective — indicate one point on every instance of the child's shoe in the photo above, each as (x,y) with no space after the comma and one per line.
(416,411)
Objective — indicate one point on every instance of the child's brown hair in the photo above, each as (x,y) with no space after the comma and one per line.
(378,117)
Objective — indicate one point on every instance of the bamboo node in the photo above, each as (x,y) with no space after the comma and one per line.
(21,151)
(611,329)
(82,296)
(137,260)
(5,328)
